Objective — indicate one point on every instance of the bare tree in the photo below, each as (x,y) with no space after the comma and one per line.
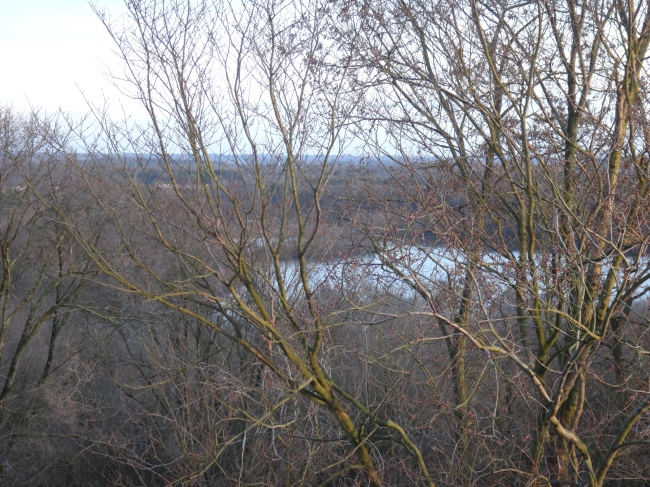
(519,134)
(43,273)
(218,215)
(466,304)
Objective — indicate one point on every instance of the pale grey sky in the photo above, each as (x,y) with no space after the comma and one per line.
(52,50)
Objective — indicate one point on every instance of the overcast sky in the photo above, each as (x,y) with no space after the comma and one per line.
(53,50)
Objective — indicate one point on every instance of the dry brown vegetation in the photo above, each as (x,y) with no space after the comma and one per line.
(464,304)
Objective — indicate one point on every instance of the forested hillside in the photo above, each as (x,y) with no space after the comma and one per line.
(382,243)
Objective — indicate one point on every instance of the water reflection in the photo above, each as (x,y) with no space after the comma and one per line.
(396,270)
